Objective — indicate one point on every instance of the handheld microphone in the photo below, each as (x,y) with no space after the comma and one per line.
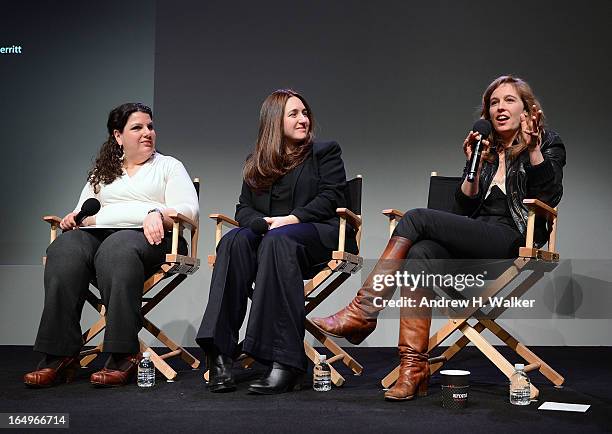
(90,207)
(483,127)
(259,226)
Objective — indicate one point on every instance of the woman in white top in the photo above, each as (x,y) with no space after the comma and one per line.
(117,248)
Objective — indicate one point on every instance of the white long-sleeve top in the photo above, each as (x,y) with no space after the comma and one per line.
(162,182)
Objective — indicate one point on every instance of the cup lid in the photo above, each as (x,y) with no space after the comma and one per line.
(454,372)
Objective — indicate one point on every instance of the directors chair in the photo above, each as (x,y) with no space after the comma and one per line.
(174,271)
(341,266)
(532,261)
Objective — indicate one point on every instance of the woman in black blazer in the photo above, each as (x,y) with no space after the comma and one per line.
(288,225)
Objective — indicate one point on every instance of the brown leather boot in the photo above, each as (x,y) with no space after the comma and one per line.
(413,345)
(357,320)
(64,370)
(117,377)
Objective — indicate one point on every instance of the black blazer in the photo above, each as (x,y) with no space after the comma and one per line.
(319,188)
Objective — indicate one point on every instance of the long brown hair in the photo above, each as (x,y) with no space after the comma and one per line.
(109,162)
(270,160)
(527,97)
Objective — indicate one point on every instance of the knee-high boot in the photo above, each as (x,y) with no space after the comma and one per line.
(357,320)
(412,346)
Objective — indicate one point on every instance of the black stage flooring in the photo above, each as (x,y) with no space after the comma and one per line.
(358,406)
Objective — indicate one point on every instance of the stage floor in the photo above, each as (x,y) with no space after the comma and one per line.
(358,406)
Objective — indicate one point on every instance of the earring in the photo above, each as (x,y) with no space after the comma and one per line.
(121,153)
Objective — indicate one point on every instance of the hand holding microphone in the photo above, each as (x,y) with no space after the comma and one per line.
(474,145)
(89,208)
(259,226)
(262,225)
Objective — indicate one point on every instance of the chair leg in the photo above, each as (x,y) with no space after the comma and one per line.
(347,359)
(456,323)
(94,330)
(159,363)
(88,356)
(493,355)
(185,355)
(314,355)
(522,350)
(390,378)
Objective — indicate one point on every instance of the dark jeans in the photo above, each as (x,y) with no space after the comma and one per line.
(277,263)
(442,235)
(118,261)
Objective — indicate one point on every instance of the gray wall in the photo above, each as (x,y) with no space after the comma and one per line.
(79,60)
(397,84)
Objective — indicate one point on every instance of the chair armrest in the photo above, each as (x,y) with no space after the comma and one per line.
(537,207)
(184,220)
(394,216)
(353,219)
(54,221)
(345,215)
(179,220)
(393,213)
(222,218)
(540,208)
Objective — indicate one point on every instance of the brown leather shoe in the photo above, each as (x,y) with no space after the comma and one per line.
(357,320)
(114,377)
(46,377)
(413,345)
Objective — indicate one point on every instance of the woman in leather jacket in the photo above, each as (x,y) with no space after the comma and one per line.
(520,160)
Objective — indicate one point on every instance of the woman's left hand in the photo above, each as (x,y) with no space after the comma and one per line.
(153,227)
(530,128)
(277,222)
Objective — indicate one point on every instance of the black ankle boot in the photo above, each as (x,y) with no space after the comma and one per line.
(280,379)
(220,378)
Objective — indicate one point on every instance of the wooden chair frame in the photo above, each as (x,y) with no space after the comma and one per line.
(174,271)
(341,266)
(539,261)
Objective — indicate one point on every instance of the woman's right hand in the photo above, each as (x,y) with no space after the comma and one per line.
(468,145)
(69,222)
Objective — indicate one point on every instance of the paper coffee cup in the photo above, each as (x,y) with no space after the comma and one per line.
(455,388)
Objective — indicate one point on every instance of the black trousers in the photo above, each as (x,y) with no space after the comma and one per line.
(442,235)
(276,263)
(118,261)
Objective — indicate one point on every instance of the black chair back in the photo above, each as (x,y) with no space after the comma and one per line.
(196,185)
(442,192)
(353,194)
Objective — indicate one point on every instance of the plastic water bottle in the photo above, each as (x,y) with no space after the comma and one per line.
(146,371)
(520,386)
(321,376)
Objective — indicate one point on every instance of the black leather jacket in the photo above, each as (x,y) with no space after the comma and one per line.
(523,181)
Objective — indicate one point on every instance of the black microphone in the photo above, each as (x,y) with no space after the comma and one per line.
(90,207)
(483,127)
(259,226)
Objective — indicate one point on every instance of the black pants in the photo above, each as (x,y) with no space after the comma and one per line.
(277,263)
(442,235)
(118,261)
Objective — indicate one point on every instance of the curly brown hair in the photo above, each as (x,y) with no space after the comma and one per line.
(271,160)
(109,162)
